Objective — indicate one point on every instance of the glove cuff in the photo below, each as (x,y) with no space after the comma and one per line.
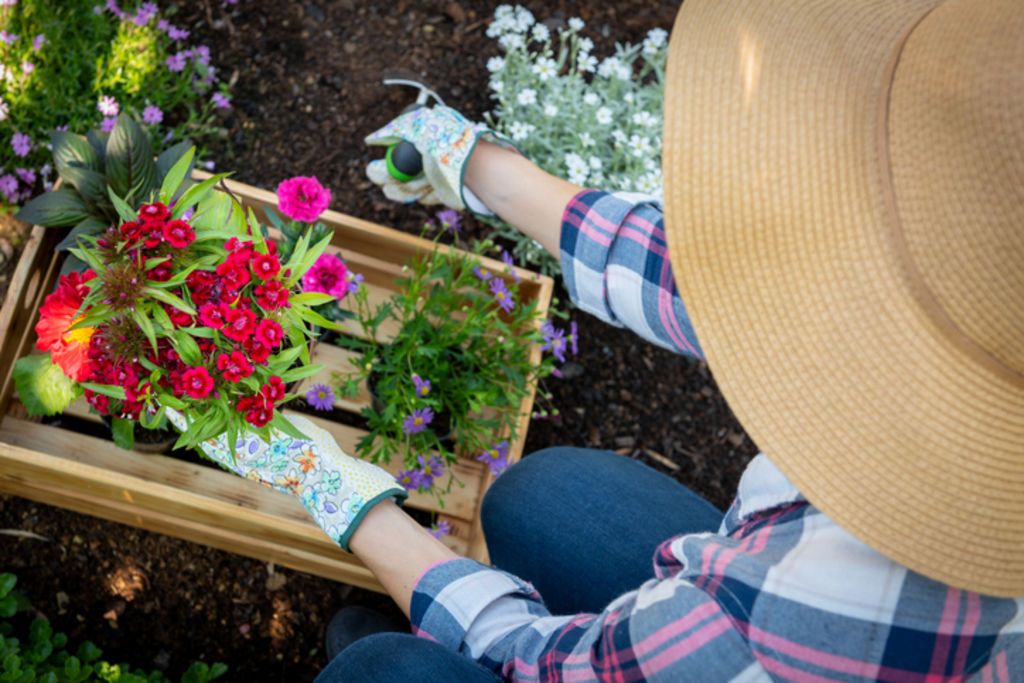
(398,493)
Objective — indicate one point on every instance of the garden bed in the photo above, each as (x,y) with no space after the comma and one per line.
(59,465)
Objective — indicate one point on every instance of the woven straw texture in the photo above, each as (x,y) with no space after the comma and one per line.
(844,186)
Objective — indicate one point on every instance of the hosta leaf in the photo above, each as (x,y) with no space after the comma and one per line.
(70,149)
(43,387)
(56,209)
(130,166)
(90,226)
(90,184)
(98,139)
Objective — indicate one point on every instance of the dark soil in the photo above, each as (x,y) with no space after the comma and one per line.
(307,91)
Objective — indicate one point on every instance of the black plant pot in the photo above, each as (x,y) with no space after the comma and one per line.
(152,441)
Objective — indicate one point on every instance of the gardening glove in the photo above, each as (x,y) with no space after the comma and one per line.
(336,489)
(445,139)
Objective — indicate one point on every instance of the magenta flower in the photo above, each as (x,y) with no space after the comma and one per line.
(28,67)
(221,101)
(450,219)
(108,105)
(422,385)
(108,124)
(502,295)
(430,469)
(328,275)
(152,115)
(496,458)
(409,479)
(302,198)
(176,62)
(442,528)
(417,421)
(21,143)
(320,397)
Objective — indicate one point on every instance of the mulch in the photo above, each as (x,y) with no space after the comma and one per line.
(307,91)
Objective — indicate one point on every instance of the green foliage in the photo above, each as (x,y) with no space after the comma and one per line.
(44,656)
(75,56)
(43,387)
(595,122)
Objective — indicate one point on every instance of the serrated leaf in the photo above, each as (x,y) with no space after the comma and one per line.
(71,149)
(43,387)
(90,226)
(58,208)
(90,184)
(130,168)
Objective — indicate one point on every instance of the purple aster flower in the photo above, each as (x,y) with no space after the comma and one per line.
(496,457)
(502,295)
(507,260)
(442,528)
(28,67)
(409,479)
(554,340)
(221,101)
(39,41)
(108,124)
(8,37)
(202,55)
(354,279)
(422,385)
(9,186)
(450,219)
(27,175)
(108,105)
(482,273)
(21,143)
(320,397)
(175,33)
(430,469)
(152,115)
(574,338)
(417,421)
(175,62)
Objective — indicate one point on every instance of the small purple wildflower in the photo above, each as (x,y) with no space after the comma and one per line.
(430,469)
(21,143)
(115,10)
(482,273)
(422,385)
(63,127)
(8,3)
(409,479)
(8,37)
(221,101)
(209,165)
(506,258)
(107,124)
(502,295)
(320,397)
(27,175)
(187,216)
(496,458)
(9,186)
(354,279)
(108,106)
(163,25)
(39,41)
(175,62)
(554,340)
(202,55)
(152,115)
(442,528)
(574,337)
(450,219)
(175,33)
(28,67)
(417,421)
(145,12)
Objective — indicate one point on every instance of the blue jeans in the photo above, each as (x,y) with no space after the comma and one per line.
(581,525)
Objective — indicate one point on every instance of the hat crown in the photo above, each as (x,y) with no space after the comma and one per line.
(956,146)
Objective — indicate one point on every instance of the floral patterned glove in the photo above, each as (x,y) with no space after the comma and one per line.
(336,489)
(445,139)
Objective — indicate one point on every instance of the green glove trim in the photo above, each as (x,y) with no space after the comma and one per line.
(393,170)
(398,494)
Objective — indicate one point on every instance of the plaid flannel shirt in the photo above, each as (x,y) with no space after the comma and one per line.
(780,592)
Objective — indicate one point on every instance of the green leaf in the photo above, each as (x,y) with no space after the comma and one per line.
(130,166)
(8,607)
(70,149)
(124,433)
(217,212)
(89,257)
(202,332)
(90,226)
(126,212)
(170,401)
(279,421)
(42,386)
(288,356)
(166,164)
(98,139)
(312,316)
(172,181)
(194,195)
(300,373)
(90,184)
(144,323)
(187,348)
(7,583)
(106,389)
(313,298)
(170,299)
(55,209)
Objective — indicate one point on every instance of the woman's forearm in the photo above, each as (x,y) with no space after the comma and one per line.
(528,198)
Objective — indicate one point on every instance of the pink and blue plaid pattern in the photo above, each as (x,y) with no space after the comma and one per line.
(779,593)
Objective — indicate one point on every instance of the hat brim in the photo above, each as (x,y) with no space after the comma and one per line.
(780,220)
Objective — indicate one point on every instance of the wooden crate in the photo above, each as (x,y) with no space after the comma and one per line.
(67,468)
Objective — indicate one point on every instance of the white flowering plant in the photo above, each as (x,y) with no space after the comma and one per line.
(595,122)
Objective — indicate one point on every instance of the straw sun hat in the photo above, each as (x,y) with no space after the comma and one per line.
(844,184)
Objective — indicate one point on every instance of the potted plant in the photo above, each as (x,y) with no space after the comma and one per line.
(177,299)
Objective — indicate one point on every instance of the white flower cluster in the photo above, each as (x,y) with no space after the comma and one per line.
(596,122)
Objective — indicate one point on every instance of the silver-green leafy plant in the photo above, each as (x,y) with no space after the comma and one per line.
(596,122)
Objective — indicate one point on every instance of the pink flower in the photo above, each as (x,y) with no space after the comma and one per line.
(302,198)
(328,275)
